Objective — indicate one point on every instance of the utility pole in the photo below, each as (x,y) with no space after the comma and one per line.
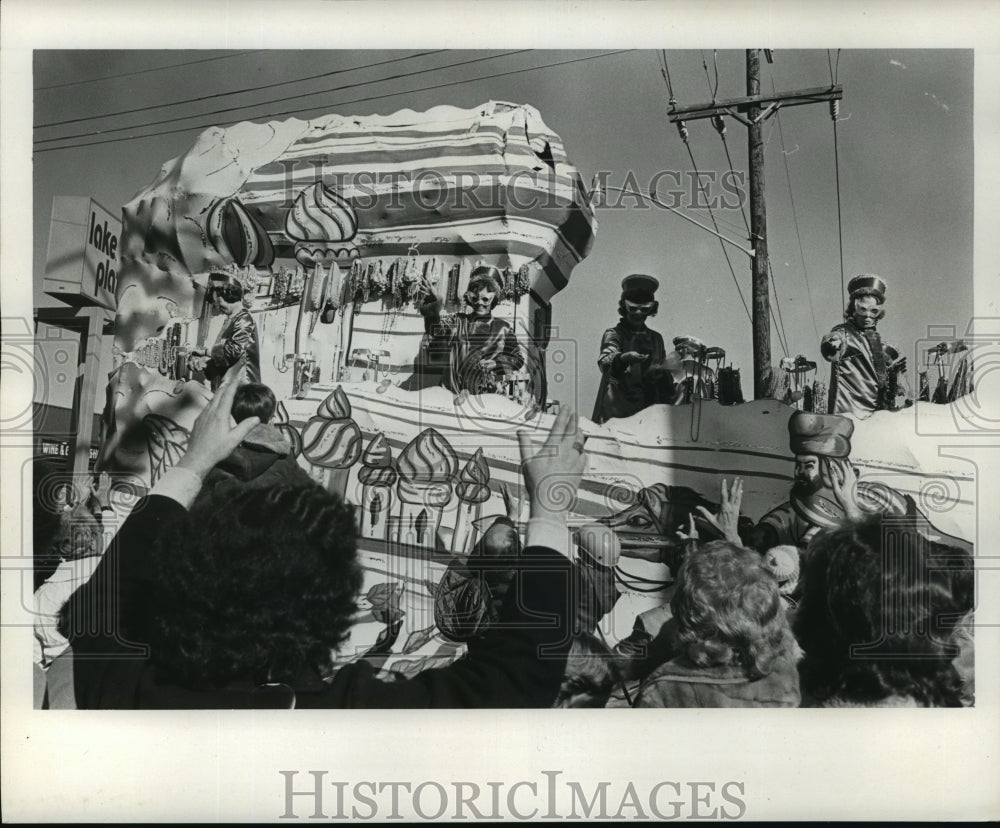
(752,111)
(760,302)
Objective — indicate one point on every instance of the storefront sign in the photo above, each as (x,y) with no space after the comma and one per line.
(82,263)
(60,448)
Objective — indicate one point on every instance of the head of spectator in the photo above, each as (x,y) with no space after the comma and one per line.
(879,604)
(254,399)
(281,561)
(729,611)
(590,676)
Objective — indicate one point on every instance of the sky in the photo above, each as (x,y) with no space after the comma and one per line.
(904,143)
(906,162)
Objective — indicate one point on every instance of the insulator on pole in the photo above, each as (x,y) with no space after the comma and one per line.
(719,123)
(834,109)
(683,130)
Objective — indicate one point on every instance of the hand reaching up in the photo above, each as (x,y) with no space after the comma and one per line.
(214,435)
(727,520)
(552,475)
(844,483)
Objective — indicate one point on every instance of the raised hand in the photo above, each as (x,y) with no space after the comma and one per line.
(100,490)
(727,519)
(844,483)
(509,503)
(214,435)
(553,474)
(692,530)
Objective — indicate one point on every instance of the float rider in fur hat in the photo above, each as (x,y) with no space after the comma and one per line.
(865,372)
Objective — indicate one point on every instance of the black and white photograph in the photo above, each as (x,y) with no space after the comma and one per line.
(382,380)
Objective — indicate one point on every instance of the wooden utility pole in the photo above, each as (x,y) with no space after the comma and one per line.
(752,111)
(760,303)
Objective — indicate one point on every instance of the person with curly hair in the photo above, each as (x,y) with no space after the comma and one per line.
(591,674)
(877,617)
(242,601)
(732,639)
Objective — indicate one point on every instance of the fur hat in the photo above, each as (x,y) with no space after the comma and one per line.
(827,435)
(867,284)
(639,287)
(487,274)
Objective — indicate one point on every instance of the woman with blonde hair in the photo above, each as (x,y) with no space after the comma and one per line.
(733,643)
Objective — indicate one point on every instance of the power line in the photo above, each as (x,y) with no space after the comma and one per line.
(779,323)
(711,213)
(665,71)
(795,218)
(142,71)
(344,103)
(286,98)
(233,92)
(708,79)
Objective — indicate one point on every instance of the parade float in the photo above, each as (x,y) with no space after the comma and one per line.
(339,226)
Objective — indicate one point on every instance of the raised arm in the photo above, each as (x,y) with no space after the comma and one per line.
(109,613)
(520,661)
(833,345)
(612,359)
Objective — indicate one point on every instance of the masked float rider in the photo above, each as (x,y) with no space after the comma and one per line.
(633,374)
(481,348)
(865,373)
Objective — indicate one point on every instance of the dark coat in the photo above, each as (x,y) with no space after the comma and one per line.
(628,389)
(681,683)
(263,460)
(237,339)
(520,663)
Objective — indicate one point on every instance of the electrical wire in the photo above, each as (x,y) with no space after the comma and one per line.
(708,79)
(177,118)
(683,132)
(665,69)
(345,103)
(711,214)
(143,71)
(779,323)
(834,111)
(729,159)
(795,218)
(238,91)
